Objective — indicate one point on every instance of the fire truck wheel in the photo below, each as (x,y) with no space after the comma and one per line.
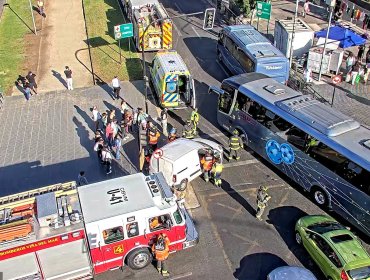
(183,185)
(139,258)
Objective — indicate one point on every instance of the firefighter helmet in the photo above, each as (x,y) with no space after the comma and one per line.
(236,132)
(263,188)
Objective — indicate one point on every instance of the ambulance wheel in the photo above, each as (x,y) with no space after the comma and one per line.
(183,185)
(139,258)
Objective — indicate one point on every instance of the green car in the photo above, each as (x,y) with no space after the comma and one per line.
(335,249)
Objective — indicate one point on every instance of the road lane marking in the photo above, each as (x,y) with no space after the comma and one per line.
(227,207)
(177,30)
(183,275)
(241,163)
(195,31)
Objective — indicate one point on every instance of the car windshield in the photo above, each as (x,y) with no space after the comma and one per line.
(325,227)
(360,273)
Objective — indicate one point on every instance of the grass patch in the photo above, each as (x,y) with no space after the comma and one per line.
(101,17)
(15,23)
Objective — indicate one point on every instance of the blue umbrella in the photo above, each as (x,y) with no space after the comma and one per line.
(345,36)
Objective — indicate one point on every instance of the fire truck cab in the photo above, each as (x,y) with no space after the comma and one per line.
(150,15)
(76,233)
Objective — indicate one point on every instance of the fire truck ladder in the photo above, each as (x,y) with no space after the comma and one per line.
(29,196)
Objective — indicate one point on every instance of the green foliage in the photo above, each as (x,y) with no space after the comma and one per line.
(15,23)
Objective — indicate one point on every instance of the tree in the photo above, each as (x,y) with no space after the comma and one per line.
(246,6)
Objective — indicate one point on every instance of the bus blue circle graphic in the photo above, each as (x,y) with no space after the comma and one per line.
(287,153)
(273,151)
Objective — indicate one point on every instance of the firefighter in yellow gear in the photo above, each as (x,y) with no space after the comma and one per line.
(235,143)
(216,172)
(311,142)
(189,131)
(195,117)
(262,198)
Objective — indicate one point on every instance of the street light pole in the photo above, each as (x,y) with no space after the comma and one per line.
(326,40)
(33,19)
(293,34)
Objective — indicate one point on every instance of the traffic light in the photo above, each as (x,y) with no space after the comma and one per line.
(209,18)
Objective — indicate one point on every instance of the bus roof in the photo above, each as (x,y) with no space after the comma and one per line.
(333,128)
(253,42)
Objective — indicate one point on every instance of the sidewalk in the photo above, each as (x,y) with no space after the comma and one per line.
(49,138)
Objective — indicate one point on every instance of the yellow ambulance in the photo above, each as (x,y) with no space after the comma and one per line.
(171,80)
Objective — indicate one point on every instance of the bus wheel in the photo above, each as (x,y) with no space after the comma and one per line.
(139,258)
(320,197)
(244,138)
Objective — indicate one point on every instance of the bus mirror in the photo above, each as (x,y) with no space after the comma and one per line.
(213,89)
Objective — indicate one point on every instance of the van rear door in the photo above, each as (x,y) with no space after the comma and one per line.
(276,69)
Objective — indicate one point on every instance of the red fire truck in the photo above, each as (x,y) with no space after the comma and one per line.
(64,232)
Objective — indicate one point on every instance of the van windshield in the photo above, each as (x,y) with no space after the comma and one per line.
(171,87)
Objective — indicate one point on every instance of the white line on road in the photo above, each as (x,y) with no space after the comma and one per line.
(182,275)
(195,31)
(177,30)
(178,8)
(240,163)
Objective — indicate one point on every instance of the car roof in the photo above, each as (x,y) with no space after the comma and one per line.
(180,147)
(291,273)
(350,250)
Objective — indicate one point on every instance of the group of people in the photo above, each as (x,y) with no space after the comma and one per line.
(357,70)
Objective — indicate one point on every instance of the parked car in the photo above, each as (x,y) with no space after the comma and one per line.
(334,248)
(180,162)
(291,273)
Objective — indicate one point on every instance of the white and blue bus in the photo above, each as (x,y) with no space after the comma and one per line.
(324,151)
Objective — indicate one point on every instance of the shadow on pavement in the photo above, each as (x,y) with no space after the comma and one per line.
(237,197)
(257,266)
(86,118)
(58,76)
(284,219)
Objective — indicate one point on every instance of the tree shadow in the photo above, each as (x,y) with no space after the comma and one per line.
(258,266)
(284,219)
(237,197)
(58,76)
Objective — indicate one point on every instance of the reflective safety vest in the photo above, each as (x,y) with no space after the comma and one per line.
(194,117)
(207,163)
(217,168)
(235,143)
(161,252)
(153,137)
(262,199)
(188,131)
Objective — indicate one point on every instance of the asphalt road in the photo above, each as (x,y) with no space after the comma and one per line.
(233,244)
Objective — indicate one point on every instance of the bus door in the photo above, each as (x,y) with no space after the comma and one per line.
(225,105)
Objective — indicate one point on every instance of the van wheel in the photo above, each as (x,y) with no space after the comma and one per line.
(183,185)
(320,197)
(139,258)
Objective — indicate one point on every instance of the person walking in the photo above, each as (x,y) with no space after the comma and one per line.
(109,134)
(350,61)
(107,159)
(32,81)
(194,117)
(361,50)
(161,250)
(81,179)
(262,198)
(112,115)
(117,145)
(189,130)
(40,6)
(96,116)
(116,85)
(164,116)
(207,162)
(235,143)
(124,106)
(306,8)
(216,172)
(98,148)
(68,73)
(141,118)
(127,117)
(354,72)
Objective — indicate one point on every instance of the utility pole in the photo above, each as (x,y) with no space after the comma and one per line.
(33,18)
(146,79)
(293,34)
(331,7)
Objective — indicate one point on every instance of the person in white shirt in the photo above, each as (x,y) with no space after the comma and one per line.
(107,159)
(164,117)
(96,117)
(116,87)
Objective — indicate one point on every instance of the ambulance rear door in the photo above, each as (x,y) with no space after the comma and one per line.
(192,98)
(171,96)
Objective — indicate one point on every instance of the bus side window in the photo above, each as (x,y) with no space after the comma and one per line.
(242,102)
(225,100)
(245,61)
(257,112)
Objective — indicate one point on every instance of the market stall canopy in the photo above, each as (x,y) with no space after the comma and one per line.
(346,37)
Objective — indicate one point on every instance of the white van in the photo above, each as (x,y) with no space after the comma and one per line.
(180,162)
